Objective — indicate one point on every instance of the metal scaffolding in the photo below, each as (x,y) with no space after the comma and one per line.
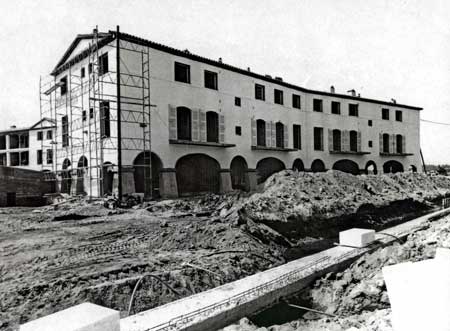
(100,112)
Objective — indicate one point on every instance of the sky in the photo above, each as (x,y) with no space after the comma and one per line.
(383,49)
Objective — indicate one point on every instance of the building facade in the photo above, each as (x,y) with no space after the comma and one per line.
(29,148)
(179,123)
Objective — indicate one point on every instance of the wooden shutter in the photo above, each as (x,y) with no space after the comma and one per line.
(358,140)
(195,125)
(273,134)
(173,130)
(404,144)
(268,134)
(202,115)
(330,140)
(253,128)
(286,136)
(393,145)
(345,141)
(221,129)
(380,142)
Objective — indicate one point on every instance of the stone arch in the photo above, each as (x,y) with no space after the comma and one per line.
(392,166)
(347,166)
(267,167)
(238,173)
(318,166)
(371,168)
(212,127)
(184,123)
(81,173)
(141,165)
(298,165)
(197,173)
(66,177)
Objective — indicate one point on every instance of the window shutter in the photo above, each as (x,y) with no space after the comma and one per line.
(404,144)
(253,125)
(202,115)
(380,142)
(221,129)
(393,145)
(330,140)
(345,140)
(195,124)
(173,123)
(286,136)
(268,134)
(359,141)
(274,134)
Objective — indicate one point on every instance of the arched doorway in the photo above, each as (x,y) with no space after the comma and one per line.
(371,168)
(318,166)
(392,167)
(66,177)
(347,166)
(141,166)
(239,175)
(298,165)
(81,172)
(197,173)
(267,167)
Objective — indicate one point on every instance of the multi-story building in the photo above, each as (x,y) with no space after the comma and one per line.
(29,147)
(202,125)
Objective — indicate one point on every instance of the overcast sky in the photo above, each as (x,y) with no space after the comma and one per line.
(384,49)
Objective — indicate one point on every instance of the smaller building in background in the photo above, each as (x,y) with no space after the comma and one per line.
(29,147)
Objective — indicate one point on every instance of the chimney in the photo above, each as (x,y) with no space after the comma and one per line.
(13,127)
(248,69)
(394,101)
(268,76)
(353,92)
(220,60)
(279,79)
(332,89)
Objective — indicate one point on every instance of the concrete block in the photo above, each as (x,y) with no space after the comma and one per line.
(83,317)
(225,181)
(356,237)
(168,184)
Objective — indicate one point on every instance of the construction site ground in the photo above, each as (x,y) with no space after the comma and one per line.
(54,257)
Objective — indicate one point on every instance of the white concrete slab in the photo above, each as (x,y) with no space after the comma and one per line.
(83,317)
(356,237)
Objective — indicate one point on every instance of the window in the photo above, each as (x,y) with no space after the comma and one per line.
(369,122)
(39,156)
(296,101)
(353,109)
(260,133)
(211,80)
(103,66)
(105,125)
(182,73)
(3,159)
(24,158)
(83,72)
(212,127)
(83,115)
(335,107)
(65,131)
(49,134)
(399,143)
(385,143)
(238,130)
(370,143)
(49,156)
(318,139)
(278,96)
(337,140)
(39,135)
(63,87)
(90,68)
(353,141)
(385,114)
(23,140)
(91,113)
(297,136)
(237,101)
(398,116)
(14,159)
(13,141)
(279,134)
(260,93)
(184,123)
(2,142)
(317,105)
